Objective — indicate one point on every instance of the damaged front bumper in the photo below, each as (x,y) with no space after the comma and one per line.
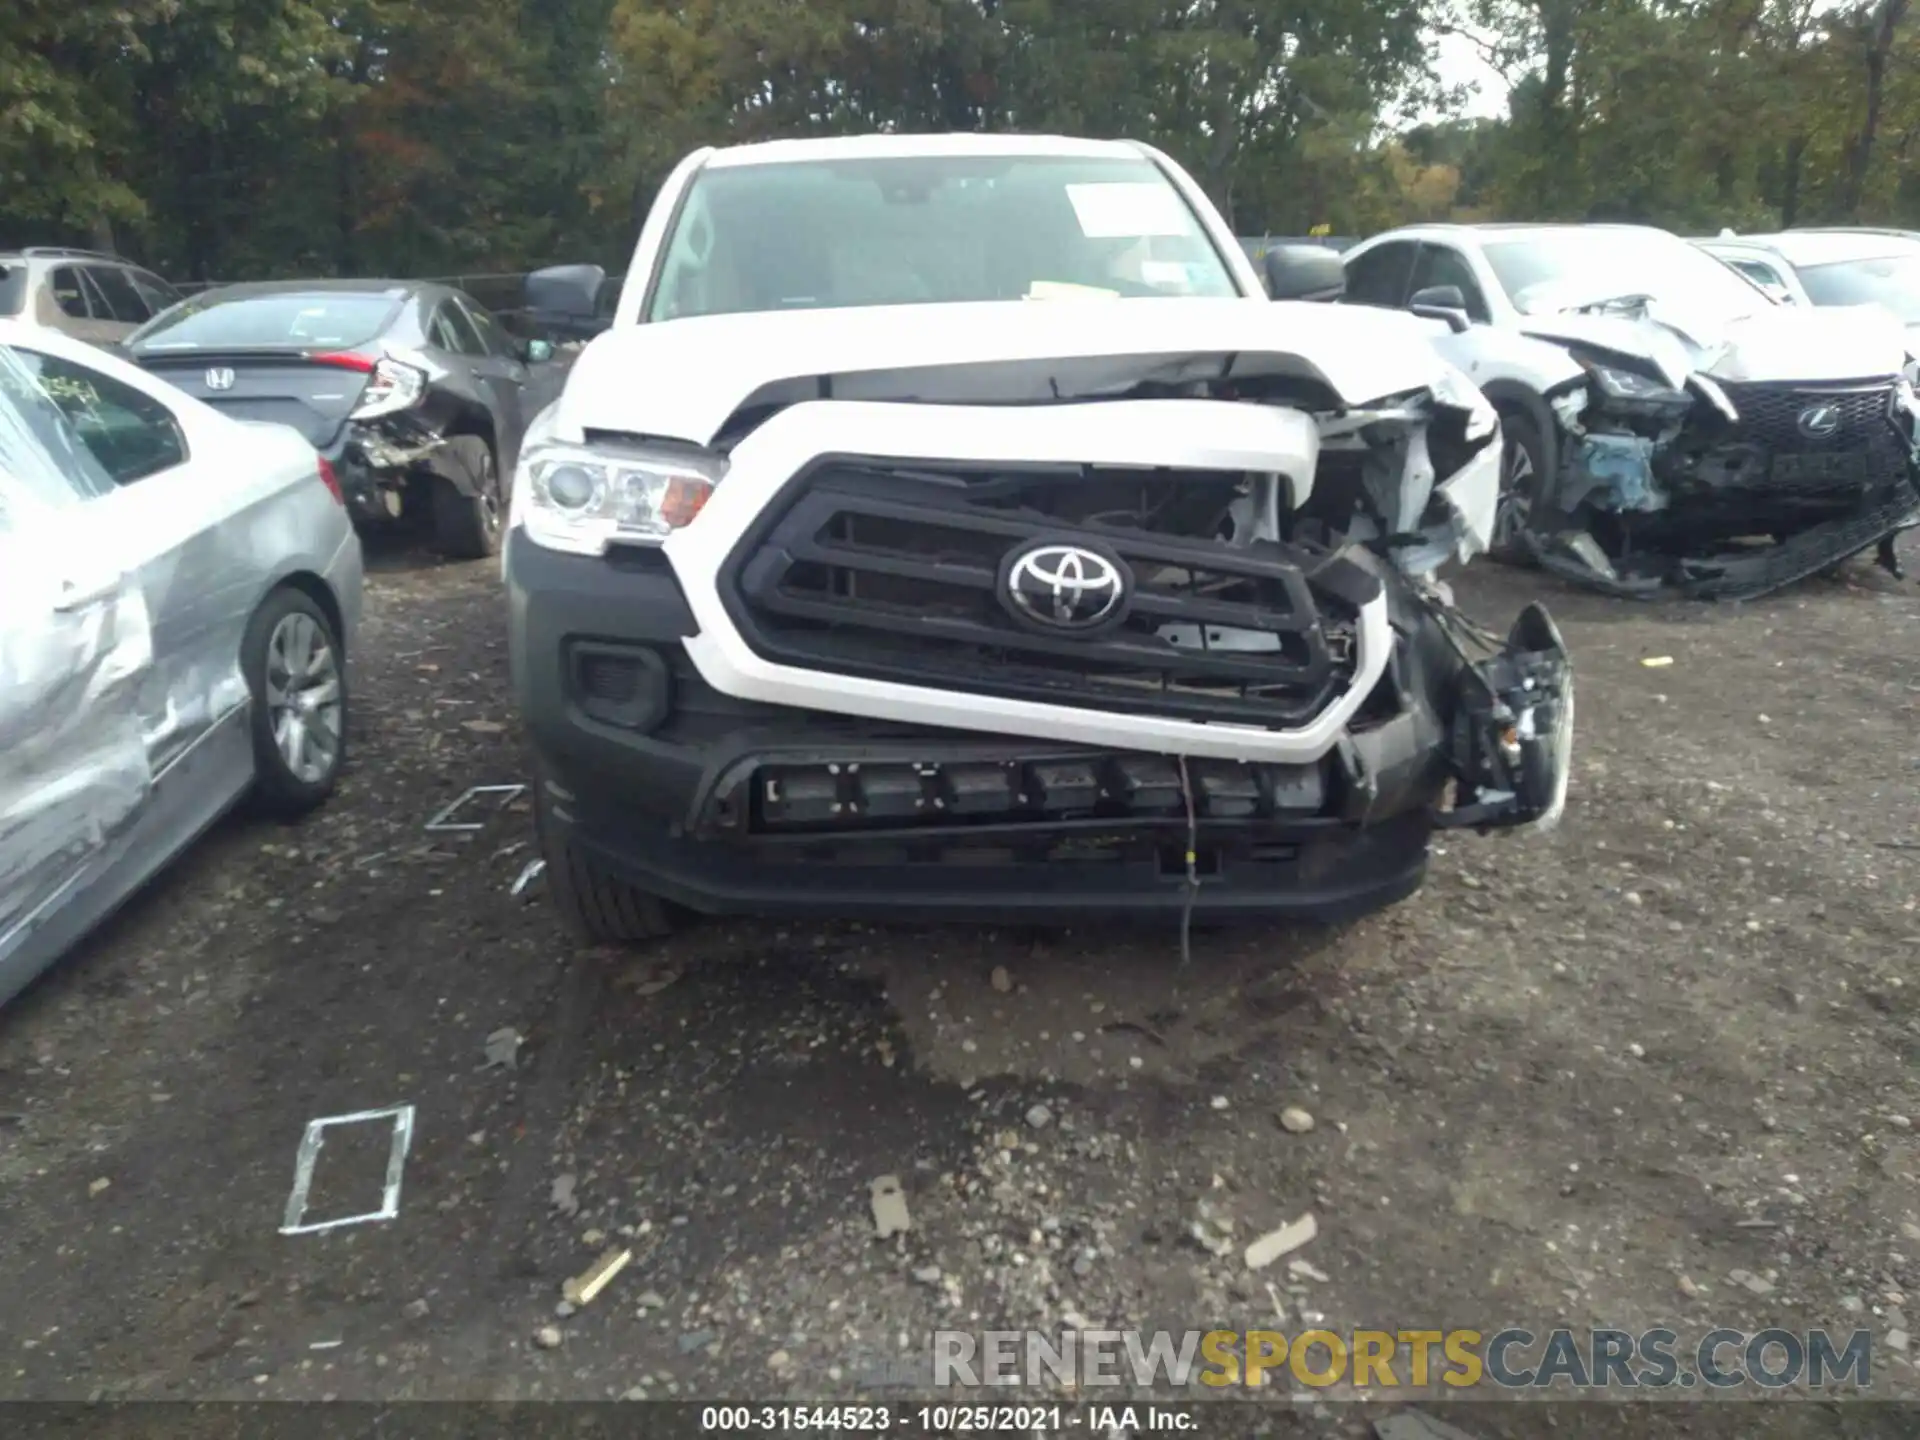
(734,806)
(1724,492)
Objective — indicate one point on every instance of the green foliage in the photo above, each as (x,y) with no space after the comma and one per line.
(234,138)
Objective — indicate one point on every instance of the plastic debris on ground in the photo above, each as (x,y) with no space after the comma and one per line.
(503,1049)
(444,821)
(890,1215)
(581,1289)
(1284,1241)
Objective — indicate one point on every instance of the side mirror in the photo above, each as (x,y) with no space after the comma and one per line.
(566,298)
(1303,272)
(535,351)
(1442,302)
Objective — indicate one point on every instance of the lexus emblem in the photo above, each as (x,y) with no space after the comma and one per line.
(220,378)
(1064,587)
(1817,422)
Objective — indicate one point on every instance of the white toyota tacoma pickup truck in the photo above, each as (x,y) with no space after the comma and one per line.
(949,527)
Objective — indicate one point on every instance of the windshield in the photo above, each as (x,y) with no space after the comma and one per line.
(925,230)
(1564,269)
(1889,280)
(276,320)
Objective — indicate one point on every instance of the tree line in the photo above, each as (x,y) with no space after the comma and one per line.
(239,138)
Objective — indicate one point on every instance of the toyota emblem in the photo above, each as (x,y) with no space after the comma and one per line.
(1818,422)
(1065,587)
(220,378)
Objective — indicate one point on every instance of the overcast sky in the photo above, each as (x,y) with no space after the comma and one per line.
(1459,63)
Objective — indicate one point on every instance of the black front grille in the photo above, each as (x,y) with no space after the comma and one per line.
(1770,416)
(890,572)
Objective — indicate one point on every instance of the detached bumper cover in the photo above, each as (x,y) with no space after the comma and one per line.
(1747,573)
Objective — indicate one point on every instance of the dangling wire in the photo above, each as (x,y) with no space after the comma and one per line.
(1193,871)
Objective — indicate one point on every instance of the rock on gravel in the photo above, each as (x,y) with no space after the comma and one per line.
(548,1337)
(1295,1121)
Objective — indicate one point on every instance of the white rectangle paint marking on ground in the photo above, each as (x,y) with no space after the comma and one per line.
(295,1221)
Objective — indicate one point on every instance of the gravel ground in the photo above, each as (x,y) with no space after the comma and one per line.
(1656,1069)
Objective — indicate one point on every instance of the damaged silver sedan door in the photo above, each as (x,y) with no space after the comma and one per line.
(139,537)
(76,651)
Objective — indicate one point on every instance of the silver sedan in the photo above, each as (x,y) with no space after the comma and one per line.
(178,594)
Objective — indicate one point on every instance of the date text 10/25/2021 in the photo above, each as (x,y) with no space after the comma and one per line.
(950,1419)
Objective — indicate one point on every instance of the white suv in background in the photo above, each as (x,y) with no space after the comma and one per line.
(1660,413)
(82,293)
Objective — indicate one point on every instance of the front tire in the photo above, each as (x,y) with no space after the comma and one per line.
(1523,468)
(469,510)
(296,672)
(598,907)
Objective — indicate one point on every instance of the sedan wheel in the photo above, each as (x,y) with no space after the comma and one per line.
(303,697)
(296,671)
(468,507)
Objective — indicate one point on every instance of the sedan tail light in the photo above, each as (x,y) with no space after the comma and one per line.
(391,386)
(332,482)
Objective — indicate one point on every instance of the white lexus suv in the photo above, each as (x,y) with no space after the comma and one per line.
(951,527)
(1670,429)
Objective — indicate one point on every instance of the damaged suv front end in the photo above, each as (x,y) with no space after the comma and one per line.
(1017,610)
(1713,455)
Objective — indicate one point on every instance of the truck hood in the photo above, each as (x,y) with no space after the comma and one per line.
(683,379)
(1842,342)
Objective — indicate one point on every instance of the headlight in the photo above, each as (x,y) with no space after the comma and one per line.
(584,498)
(391,386)
(1912,374)
(1625,385)
(1455,389)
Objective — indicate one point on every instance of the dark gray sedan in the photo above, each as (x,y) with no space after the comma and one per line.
(412,391)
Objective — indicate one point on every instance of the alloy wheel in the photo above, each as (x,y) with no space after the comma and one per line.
(1516,494)
(304,697)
